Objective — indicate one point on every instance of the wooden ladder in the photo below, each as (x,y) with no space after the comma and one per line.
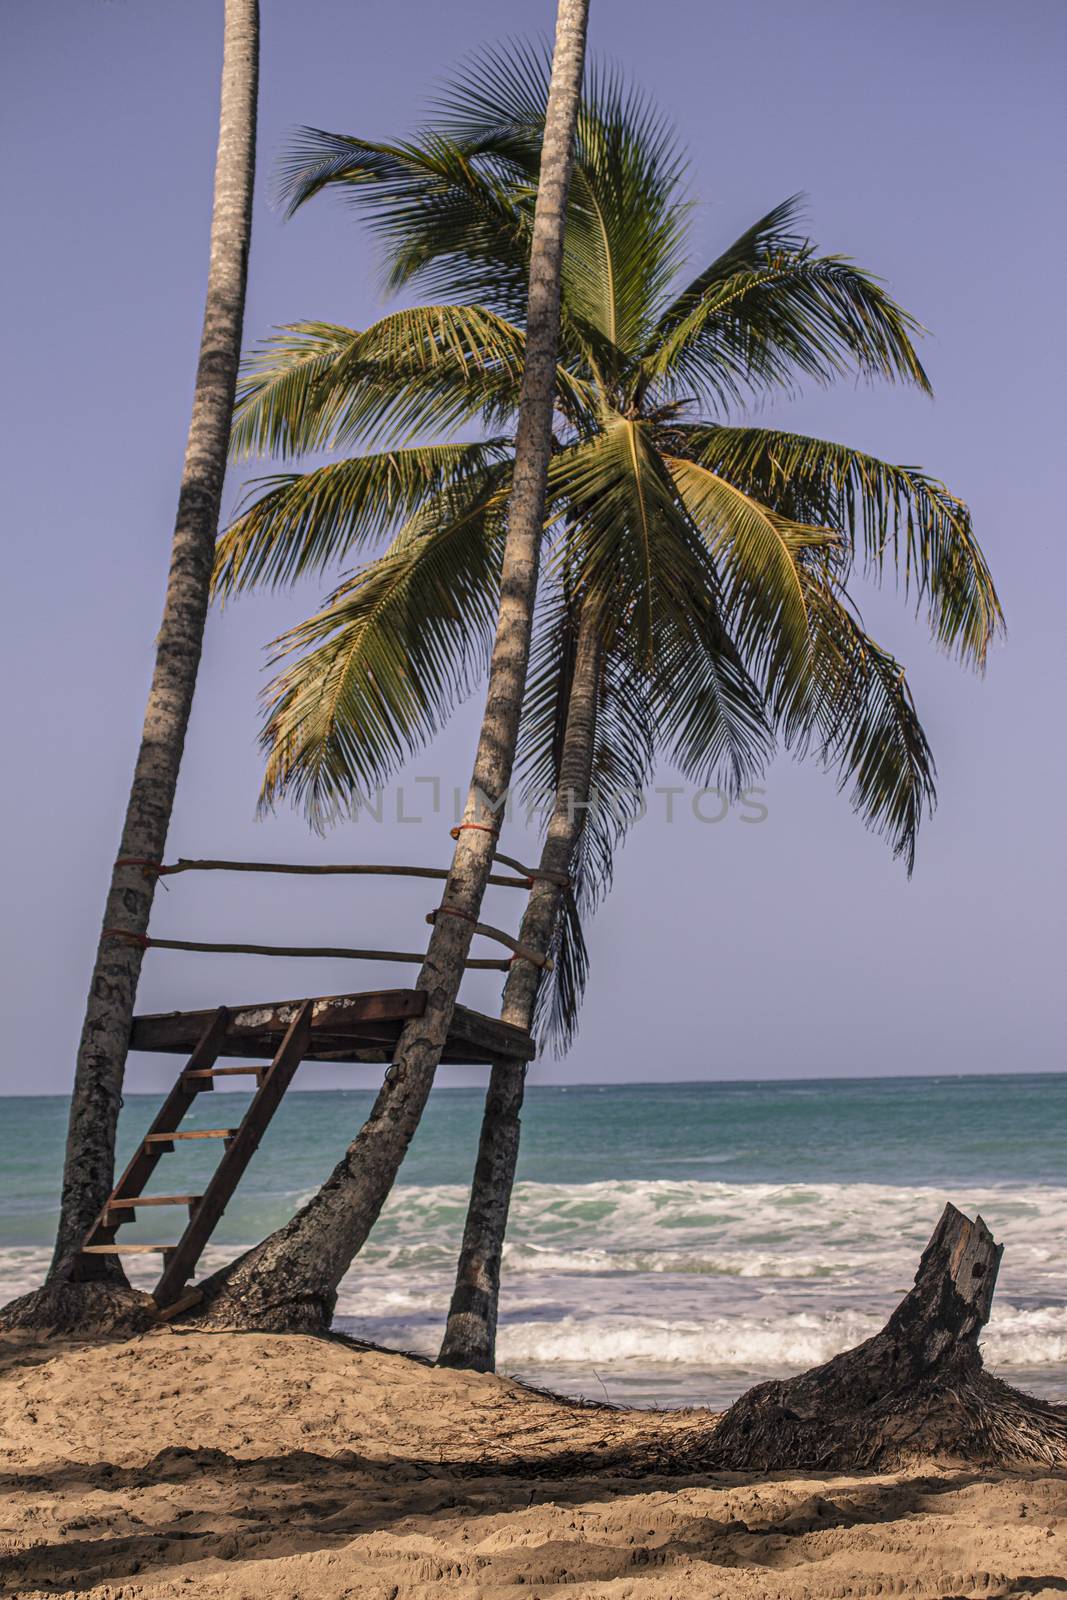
(239,1145)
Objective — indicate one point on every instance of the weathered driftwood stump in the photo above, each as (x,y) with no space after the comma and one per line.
(915,1389)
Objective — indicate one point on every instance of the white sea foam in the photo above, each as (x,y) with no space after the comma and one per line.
(754,1344)
(843,1231)
(691,1276)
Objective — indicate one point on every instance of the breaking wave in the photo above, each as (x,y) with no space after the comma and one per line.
(698,1278)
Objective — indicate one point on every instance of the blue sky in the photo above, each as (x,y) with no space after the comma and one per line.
(929,140)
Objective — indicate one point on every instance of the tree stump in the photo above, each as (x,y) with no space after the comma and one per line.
(916,1389)
(86,1310)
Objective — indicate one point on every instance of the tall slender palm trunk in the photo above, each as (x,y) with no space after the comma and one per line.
(470,1335)
(97,1095)
(290,1280)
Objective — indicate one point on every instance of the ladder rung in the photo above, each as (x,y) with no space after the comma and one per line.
(226,1072)
(194,1133)
(241,1143)
(191,1297)
(139,1200)
(125,1249)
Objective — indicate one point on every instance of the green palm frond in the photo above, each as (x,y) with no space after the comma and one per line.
(426,369)
(715,556)
(772,238)
(457,218)
(624,536)
(373,675)
(760,555)
(496,98)
(711,715)
(818,317)
(858,717)
(893,515)
(626,216)
(301,522)
(454,207)
(562,990)
(288,397)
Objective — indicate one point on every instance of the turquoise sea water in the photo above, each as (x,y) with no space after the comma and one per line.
(669,1243)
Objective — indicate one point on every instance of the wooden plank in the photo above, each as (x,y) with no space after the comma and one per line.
(126,1249)
(344,1028)
(204,1082)
(226,1072)
(192,1133)
(207,1042)
(184,1302)
(180,1266)
(250,1025)
(489,1036)
(154,1200)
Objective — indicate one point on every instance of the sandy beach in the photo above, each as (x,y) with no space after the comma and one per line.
(184,1464)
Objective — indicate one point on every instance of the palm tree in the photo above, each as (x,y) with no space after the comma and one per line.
(77,1291)
(470,1334)
(711,557)
(308,1259)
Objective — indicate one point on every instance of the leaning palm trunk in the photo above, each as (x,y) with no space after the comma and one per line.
(78,1291)
(290,1280)
(470,1336)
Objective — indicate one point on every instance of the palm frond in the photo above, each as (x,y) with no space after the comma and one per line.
(302,522)
(424,369)
(288,397)
(858,717)
(373,676)
(773,237)
(710,715)
(894,516)
(760,555)
(455,217)
(562,990)
(798,315)
(624,537)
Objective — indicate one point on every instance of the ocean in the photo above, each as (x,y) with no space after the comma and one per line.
(670,1244)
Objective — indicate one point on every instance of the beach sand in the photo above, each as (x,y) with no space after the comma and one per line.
(183,1464)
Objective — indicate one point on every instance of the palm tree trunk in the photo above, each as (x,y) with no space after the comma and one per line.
(470,1336)
(291,1279)
(97,1094)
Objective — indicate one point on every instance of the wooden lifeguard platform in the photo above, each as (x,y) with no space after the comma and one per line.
(272,1039)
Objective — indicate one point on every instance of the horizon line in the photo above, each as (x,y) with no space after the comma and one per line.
(612,1083)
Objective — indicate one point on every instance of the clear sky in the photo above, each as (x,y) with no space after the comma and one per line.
(929,139)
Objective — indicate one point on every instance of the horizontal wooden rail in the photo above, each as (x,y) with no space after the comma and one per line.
(501,937)
(185,864)
(531,874)
(288,950)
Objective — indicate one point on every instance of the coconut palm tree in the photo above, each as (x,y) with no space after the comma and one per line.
(337,1220)
(710,557)
(76,1291)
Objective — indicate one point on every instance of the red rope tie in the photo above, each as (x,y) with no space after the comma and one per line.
(132,938)
(481,827)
